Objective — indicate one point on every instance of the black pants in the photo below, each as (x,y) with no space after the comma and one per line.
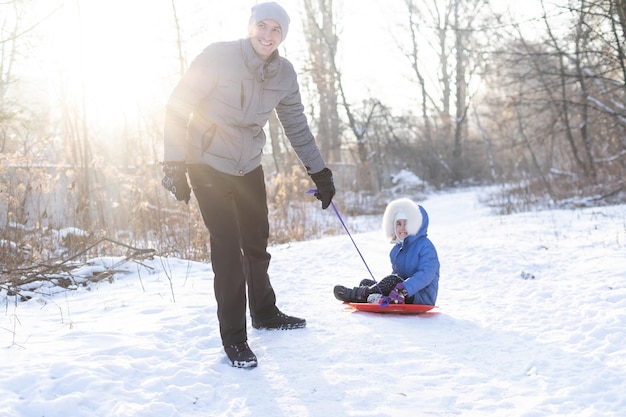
(234,209)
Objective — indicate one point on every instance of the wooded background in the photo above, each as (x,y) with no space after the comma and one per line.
(535,104)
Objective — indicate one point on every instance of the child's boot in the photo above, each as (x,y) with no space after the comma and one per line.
(351,295)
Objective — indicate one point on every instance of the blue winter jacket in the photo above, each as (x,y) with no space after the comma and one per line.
(415,260)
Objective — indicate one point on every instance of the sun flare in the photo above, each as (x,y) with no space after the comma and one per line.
(106,56)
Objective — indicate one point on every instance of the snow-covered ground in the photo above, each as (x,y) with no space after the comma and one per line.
(531,321)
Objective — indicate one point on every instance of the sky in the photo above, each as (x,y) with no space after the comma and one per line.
(530,321)
(123,55)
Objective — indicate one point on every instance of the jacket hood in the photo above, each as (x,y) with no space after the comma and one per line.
(416,219)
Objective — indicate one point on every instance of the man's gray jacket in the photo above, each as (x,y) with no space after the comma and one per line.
(217,111)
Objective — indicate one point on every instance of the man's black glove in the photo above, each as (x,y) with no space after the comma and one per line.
(325,186)
(175,180)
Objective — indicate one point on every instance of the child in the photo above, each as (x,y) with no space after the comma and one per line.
(414,261)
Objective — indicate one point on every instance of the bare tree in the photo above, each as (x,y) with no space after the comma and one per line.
(566,90)
(322,40)
(16,34)
(450,31)
(182,60)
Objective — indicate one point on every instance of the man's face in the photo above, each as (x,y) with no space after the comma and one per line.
(265,36)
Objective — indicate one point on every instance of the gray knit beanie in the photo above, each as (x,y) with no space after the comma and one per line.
(270,10)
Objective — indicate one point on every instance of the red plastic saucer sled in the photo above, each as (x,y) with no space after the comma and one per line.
(391,308)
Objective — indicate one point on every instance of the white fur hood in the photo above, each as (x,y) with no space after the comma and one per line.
(416,218)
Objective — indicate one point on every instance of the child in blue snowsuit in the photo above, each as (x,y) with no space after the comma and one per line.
(414,260)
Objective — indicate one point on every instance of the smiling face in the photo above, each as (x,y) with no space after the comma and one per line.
(265,37)
(401,232)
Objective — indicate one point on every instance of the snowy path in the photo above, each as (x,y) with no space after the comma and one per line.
(499,345)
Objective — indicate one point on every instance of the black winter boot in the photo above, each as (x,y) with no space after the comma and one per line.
(279,321)
(240,355)
(354,295)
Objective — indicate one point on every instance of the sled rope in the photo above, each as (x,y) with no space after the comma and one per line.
(313,191)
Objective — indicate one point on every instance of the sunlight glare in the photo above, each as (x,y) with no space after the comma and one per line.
(107,53)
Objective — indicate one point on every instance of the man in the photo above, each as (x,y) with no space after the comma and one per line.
(214,132)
